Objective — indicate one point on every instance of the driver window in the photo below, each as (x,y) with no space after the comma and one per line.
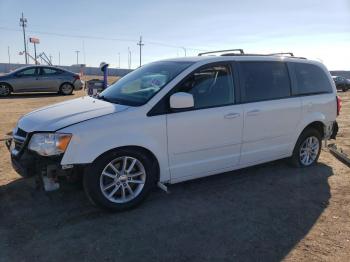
(210,87)
(27,72)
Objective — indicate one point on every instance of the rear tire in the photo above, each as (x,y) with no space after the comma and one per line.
(307,149)
(66,89)
(5,89)
(120,179)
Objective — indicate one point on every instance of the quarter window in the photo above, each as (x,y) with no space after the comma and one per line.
(310,79)
(210,87)
(264,81)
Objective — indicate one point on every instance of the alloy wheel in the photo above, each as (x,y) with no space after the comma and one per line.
(123,179)
(309,150)
(4,90)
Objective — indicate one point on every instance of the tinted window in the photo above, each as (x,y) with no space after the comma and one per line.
(27,72)
(264,81)
(310,79)
(210,87)
(49,71)
(139,86)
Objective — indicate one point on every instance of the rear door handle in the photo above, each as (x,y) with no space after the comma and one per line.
(253,112)
(232,115)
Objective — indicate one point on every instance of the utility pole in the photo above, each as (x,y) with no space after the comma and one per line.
(77,51)
(141,45)
(59,58)
(23,24)
(184,48)
(129,58)
(8,53)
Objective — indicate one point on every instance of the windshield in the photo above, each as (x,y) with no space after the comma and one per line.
(139,86)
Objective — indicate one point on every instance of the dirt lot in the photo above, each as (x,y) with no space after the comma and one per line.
(265,213)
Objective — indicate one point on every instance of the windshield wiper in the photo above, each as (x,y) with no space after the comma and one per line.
(104,99)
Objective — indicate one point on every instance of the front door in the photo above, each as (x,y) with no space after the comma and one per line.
(206,139)
(25,80)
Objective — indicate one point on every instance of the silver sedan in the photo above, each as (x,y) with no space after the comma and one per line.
(40,79)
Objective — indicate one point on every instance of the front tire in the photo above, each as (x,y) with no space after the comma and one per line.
(5,90)
(119,180)
(307,149)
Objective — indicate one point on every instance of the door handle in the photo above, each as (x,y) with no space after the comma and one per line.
(232,115)
(253,112)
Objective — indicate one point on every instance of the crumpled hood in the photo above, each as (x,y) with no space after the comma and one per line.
(57,116)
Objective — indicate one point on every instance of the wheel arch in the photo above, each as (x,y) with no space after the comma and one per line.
(318,125)
(149,153)
(66,82)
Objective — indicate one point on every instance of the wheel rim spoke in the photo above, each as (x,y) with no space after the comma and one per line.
(129,189)
(109,175)
(125,160)
(131,166)
(114,168)
(109,186)
(135,174)
(136,181)
(114,191)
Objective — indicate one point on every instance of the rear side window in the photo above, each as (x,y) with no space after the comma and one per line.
(264,81)
(310,79)
(49,71)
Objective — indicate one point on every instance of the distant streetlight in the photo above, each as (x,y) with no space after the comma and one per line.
(34,41)
(77,51)
(8,53)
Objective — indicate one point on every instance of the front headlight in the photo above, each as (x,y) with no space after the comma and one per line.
(49,144)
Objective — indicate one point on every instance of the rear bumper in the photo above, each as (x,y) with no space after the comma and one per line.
(78,84)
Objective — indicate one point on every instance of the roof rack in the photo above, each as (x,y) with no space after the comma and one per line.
(241,52)
(288,53)
(229,52)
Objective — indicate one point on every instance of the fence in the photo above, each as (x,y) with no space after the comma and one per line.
(6,67)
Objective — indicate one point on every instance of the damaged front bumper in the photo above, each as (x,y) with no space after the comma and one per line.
(47,170)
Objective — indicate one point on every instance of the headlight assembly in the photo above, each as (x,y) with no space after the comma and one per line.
(49,144)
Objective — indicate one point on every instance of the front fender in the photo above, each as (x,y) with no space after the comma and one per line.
(94,137)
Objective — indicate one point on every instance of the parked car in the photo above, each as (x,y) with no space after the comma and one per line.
(40,79)
(341,83)
(199,116)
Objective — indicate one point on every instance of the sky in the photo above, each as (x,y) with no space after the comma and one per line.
(104,30)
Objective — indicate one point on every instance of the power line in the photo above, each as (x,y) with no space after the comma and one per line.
(108,39)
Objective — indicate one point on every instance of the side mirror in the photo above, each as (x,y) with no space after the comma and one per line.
(181,100)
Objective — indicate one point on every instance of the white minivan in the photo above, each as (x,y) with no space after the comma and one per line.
(180,119)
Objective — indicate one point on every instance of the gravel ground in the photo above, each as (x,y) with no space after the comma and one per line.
(270,212)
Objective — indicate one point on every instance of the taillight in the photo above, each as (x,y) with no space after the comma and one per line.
(76,77)
(338,105)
